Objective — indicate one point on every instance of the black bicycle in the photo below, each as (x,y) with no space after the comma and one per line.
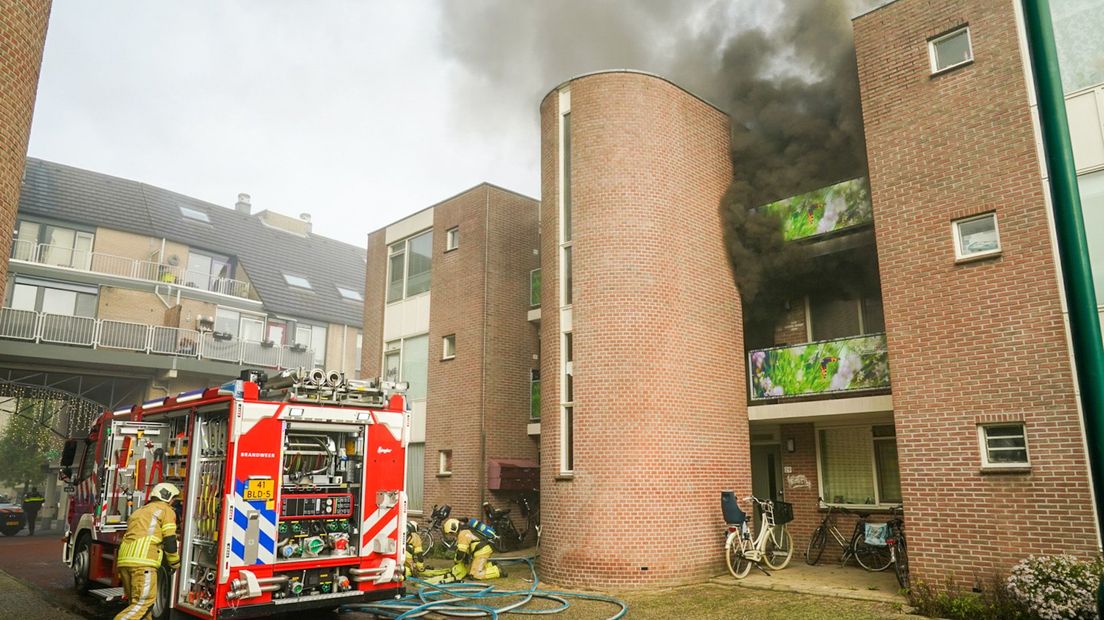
(897,547)
(870,556)
(507,536)
(436,521)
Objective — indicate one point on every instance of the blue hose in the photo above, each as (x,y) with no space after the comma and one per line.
(470,600)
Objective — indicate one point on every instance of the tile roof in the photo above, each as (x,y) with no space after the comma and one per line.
(71,194)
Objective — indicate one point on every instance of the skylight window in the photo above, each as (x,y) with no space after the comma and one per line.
(350,294)
(193,214)
(299,281)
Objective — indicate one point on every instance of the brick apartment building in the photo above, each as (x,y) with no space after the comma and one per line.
(449,308)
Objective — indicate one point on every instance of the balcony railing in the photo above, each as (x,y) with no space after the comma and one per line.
(107,264)
(853,364)
(825,210)
(148,339)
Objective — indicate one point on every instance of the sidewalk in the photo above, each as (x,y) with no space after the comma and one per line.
(18,600)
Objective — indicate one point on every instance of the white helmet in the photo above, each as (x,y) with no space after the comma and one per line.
(165,491)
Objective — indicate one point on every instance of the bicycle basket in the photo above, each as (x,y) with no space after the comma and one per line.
(783,512)
(730,509)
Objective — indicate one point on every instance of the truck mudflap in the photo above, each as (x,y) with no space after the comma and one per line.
(313,602)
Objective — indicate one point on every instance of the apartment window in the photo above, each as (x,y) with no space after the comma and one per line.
(57,245)
(566,225)
(833,317)
(567,416)
(409,262)
(350,294)
(452,238)
(444,462)
(207,270)
(415,475)
(448,347)
(976,237)
(1003,445)
(297,281)
(240,325)
(535,287)
(359,351)
(534,394)
(312,337)
(950,50)
(194,214)
(1091,187)
(407,359)
(859,465)
(52,297)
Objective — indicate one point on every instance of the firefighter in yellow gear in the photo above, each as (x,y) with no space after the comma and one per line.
(415,554)
(472,554)
(150,539)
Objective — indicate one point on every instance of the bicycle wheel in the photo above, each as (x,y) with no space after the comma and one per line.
(816,546)
(900,565)
(427,541)
(737,564)
(873,558)
(779,548)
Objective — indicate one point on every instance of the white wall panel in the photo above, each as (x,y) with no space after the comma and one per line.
(408,317)
(415,223)
(1086,123)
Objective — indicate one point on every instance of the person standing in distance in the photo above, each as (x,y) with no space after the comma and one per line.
(32,502)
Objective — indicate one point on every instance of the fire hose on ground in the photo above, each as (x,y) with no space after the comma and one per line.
(475,600)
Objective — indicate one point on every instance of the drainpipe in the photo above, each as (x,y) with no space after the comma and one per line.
(1073,248)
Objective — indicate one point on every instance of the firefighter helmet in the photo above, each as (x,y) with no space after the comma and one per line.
(411,527)
(165,491)
(452,526)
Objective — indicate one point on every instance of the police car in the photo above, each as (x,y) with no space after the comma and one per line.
(12,518)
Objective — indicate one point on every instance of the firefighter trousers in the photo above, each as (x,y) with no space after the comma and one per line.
(140,585)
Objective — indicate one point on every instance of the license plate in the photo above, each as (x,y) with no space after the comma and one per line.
(13,522)
(259,490)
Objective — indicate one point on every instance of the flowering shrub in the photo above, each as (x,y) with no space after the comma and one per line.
(1056,587)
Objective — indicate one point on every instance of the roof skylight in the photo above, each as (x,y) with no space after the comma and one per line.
(350,294)
(299,281)
(194,214)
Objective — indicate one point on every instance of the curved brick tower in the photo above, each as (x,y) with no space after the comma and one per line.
(642,357)
(22,37)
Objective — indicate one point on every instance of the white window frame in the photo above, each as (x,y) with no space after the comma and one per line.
(403,247)
(933,56)
(448,347)
(452,238)
(194,214)
(957,236)
(983,445)
(444,462)
(298,281)
(350,294)
(567,407)
(397,347)
(878,503)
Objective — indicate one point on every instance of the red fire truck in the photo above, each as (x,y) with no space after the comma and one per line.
(292,493)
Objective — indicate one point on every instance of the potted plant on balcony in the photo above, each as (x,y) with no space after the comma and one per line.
(222,335)
(298,348)
(268,344)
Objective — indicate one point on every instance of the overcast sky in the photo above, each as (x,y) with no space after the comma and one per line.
(358,112)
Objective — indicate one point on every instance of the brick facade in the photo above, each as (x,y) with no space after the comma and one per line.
(969,341)
(22,37)
(660,407)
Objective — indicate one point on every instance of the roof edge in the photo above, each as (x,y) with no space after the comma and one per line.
(454,196)
(638,72)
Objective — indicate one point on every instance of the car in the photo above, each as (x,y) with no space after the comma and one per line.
(12,518)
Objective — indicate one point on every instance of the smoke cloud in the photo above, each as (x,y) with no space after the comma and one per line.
(784,71)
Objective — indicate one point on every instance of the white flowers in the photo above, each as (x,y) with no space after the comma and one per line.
(1056,587)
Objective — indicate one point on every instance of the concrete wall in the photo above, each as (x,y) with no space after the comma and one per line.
(660,402)
(971,342)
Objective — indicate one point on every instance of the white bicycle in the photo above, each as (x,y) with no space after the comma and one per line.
(772,546)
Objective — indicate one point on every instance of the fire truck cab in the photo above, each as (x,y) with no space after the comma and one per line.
(292,493)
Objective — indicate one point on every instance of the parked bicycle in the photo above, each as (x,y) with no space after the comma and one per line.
(772,546)
(436,521)
(529,507)
(872,557)
(897,550)
(508,537)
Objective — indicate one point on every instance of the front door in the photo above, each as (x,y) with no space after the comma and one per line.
(766,472)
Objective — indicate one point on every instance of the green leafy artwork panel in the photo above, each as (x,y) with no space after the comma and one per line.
(824,210)
(845,364)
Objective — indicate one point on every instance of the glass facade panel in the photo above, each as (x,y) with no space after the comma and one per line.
(415,365)
(415,475)
(395,277)
(1078,25)
(420,262)
(1092,207)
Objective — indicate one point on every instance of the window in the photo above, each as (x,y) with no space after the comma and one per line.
(566,226)
(950,50)
(51,297)
(448,347)
(408,266)
(444,462)
(1003,445)
(249,327)
(1092,207)
(56,245)
(415,474)
(976,237)
(567,411)
(350,294)
(208,271)
(313,337)
(298,281)
(407,359)
(535,287)
(858,465)
(832,317)
(359,351)
(194,214)
(534,394)
(452,238)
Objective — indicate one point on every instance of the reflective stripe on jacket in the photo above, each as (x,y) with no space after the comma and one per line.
(146,528)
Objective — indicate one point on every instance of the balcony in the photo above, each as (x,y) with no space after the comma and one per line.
(825,210)
(840,366)
(146,339)
(122,267)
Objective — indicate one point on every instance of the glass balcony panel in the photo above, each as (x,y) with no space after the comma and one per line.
(853,364)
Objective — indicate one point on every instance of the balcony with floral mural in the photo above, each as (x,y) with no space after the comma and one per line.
(823,211)
(839,367)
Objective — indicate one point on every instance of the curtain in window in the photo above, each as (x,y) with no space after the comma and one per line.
(846,465)
(415,475)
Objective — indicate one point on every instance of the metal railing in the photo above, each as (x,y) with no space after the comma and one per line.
(121,266)
(147,339)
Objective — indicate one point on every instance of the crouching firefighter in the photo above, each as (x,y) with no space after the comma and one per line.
(415,554)
(473,553)
(150,539)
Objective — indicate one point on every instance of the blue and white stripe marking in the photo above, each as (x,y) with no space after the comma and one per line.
(266,534)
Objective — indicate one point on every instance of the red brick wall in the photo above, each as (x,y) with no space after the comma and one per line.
(974,341)
(22,37)
(660,415)
(375,294)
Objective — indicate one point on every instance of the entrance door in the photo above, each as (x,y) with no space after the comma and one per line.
(766,472)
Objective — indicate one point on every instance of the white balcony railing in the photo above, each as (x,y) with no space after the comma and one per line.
(146,339)
(120,266)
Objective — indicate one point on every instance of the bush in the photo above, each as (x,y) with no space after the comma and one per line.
(992,603)
(1056,587)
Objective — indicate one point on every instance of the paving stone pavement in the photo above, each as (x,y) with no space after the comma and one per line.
(18,600)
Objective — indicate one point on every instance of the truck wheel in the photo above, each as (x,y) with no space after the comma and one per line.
(82,563)
(161,605)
